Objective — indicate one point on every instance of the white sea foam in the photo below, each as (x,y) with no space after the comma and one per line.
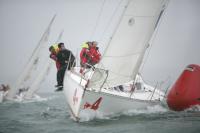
(35,98)
(195,108)
(88,115)
(148,110)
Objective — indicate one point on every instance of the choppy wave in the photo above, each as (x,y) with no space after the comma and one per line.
(89,115)
(52,116)
(195,108)
(148,110)
(35,98)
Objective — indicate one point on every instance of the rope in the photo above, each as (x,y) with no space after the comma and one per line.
(68,44)
(110,20)
(60,36)
(153,38)
(121,56)
(98,18)
(116,73)
(121,75)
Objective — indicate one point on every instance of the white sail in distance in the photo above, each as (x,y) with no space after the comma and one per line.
(26,77)
(125,51)
(42,73)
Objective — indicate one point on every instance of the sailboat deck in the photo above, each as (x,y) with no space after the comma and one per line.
(145,93)
(136,94)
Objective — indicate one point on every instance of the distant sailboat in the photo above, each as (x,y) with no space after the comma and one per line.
(103,88)
(34,71)
(4,89)
(40,77)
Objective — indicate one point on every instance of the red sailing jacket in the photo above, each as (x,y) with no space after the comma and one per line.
(95,55)
(84,56)
(53,56)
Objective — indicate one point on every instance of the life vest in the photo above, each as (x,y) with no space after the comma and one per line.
(85,45)
(55,46)
(53,55)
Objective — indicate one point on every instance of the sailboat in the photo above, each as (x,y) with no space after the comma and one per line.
(4,89)
(43,72)
(34,71)
(114,85)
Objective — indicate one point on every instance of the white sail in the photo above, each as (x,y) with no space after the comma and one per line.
(31,68)
(34,86)
(123,55)
(40,77)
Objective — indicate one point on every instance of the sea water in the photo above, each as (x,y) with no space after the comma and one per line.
(50,115)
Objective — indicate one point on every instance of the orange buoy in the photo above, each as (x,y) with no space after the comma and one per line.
(186,90)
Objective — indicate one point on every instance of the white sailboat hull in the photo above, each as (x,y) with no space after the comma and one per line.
(104,89)
(106,101)
(109,103)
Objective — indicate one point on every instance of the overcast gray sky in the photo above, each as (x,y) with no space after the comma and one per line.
(23,22)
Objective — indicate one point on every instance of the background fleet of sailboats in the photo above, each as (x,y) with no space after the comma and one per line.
(35,70)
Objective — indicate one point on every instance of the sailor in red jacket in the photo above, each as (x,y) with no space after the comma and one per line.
(85,56)
(94,53)
(54,51)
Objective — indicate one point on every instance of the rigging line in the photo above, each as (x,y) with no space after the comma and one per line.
(77,57)
(123,55)
(59,39)
(156,32)
(110,20)
(119,21)
(97,20)
(103,67)
(137,16)
(118,74)
(44,37)
(124,9)
(68,45)
(60,36)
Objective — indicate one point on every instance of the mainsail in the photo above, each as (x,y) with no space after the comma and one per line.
(124,53)
(29,73)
